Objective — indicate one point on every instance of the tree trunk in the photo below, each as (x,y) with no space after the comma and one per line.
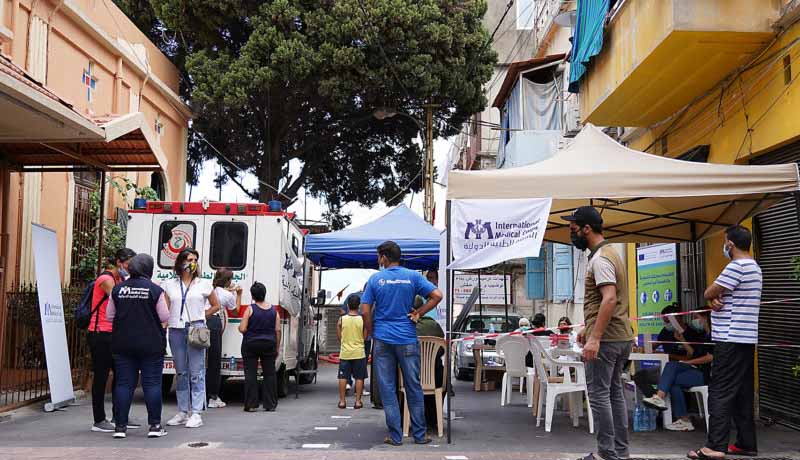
(271,170)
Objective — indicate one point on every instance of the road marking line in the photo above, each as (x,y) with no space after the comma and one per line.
(341,416)
(316,446)
(456,457)
(326,428)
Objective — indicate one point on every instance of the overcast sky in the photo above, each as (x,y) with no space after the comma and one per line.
(333,280)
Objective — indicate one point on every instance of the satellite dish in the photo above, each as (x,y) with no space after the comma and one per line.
(566,19)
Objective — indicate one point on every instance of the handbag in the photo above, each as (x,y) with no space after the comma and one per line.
(198,337)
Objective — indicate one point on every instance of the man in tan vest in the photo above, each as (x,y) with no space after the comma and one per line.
(608,336)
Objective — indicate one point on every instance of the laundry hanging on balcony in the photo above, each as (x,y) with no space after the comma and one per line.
(588,38)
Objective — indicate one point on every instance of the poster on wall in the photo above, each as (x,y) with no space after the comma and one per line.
(656,283)
(51,309)
(494,290)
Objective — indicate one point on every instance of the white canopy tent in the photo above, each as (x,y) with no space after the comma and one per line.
(643,197)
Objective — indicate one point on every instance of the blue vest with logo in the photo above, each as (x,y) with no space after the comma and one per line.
(137,328)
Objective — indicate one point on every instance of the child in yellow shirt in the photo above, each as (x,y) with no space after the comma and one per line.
(352,358)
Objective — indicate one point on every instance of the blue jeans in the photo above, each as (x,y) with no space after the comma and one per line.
(677,377)
(190,370)
(386,358)
(126,371)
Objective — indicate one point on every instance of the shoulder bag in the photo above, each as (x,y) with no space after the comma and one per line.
(198,337)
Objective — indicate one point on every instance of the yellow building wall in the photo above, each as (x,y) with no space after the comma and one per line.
(72,44)
(760,100)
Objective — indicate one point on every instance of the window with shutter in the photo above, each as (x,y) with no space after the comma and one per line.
(534,278)
(37,50)
(563,279)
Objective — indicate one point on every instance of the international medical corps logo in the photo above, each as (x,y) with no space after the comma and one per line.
(479,229)
(124,291)
(381,282)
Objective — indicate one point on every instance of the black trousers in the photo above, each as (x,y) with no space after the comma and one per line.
(646,380)
(730,397)
(253,352)
(102,364)
(214,357)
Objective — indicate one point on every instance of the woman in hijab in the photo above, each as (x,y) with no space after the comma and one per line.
(138,309)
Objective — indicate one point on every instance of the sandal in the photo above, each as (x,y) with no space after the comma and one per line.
(358,405)
(391,442)
(698,454)
(342,405)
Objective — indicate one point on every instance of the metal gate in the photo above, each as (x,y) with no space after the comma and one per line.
(777,241)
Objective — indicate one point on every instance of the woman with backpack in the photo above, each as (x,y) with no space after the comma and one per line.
(99,337)
(189,337)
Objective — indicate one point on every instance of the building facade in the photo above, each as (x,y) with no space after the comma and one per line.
(711,80)
(81,65)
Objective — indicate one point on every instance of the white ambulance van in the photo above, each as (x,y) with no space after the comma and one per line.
(257,245)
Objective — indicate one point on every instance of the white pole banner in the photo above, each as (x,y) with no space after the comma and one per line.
(51,309)
(441,309)
(487,232)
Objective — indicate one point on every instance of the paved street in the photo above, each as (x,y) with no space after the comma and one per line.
(483,430)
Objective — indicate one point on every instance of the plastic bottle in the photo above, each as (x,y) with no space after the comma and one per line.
(637,418)
(233,364)
(491,328)
(651,419)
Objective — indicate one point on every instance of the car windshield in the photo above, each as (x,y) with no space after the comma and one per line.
(489,323)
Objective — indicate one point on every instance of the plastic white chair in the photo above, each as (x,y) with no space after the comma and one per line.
(552,387)
(428,350)
(513,349)
(701,393)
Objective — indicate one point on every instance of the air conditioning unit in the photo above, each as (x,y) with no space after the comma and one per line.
(572,118)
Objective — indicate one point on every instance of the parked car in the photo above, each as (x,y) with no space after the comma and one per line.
(492,321)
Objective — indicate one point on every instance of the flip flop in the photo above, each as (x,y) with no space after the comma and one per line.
(391,442)
(698,454)
(342,405)
(358,405)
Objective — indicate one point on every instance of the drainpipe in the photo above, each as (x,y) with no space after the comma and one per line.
(20,204)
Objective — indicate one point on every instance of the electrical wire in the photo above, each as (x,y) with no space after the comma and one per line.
(235,166)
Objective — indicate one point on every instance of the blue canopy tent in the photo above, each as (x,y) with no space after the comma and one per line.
(356,247)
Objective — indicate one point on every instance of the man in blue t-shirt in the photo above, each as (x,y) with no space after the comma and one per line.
(389,316)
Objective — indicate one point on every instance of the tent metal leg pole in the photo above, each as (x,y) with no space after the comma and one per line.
(449,321)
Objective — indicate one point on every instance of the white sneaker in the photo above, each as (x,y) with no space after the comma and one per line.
(179,419)
(216,404)
(680,425)
(656,402)
(365,393)
(195,421)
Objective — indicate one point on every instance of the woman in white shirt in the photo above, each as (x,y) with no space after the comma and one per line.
(225,290)
(187,295)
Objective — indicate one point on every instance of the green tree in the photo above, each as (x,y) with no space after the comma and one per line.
(282,80)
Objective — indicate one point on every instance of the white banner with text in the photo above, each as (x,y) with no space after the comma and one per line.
(487,232)
(51,308)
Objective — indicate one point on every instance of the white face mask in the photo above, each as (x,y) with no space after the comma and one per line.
(726,251)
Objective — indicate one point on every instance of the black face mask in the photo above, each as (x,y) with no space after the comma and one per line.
(579,241)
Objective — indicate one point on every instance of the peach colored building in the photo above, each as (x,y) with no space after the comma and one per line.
(83,93)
